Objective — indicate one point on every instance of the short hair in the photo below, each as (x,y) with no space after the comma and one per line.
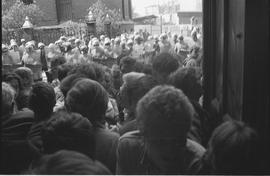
(66,162)
(14,80)
(84,69)
(187,79)
(164,64)
(88,98)
(26,75)
(63,70)
(129,64)
(68,82)
(164,112)
(137,87)
(234,149)
(42,99)
(69,131)
(8,98)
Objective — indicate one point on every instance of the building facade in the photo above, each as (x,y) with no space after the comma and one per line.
(58,11)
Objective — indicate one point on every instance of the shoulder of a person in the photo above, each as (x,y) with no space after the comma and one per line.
(132,135)
(197,149)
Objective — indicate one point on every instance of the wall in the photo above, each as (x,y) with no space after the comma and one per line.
(49,9)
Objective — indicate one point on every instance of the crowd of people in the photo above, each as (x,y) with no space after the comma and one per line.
(143,115)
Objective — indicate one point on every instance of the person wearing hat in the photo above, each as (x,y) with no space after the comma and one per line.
(96,52)
(14,52)
(84,56)
(165,45)
(6,58)
(72,41)
(63,39)
(108,48)
(69,55)
(22,47)
(77,49)
(117,47)
(138,48)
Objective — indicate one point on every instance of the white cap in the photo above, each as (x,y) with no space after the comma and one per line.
(22,40)
(107,40)
(77,41)
(40,44)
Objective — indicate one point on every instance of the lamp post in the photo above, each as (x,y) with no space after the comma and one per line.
(107,25)
(28,29)
(91,24)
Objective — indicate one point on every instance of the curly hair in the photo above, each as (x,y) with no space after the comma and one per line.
(187,79)
(69,131)
(164,112)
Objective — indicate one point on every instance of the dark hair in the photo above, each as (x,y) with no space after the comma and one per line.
(68,82)
(84,69)
(63,70)
(127,64)
(88,98)
(42,100)
(10,78)
(99,71)
(69,131)
(164,112)
(58,60)
(187,79)
(163,65)
(234,149)
(68,163)
(26,75)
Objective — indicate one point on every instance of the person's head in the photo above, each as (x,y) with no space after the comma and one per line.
(85,69)
(234,149)
(68,82)
(84,49)
(42,100)
(164,118)
(63,70)
(23,42)
(26,75)
(135,86)
(127,64)
(41,46)
(188,80)
(68,131)
(4,49)
(181,38)
(8,99)
(77,42)
(88,98)
(163,65)
(14,80)
(99,72)
(66,162)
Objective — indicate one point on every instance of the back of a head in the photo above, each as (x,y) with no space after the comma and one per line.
(127,64)
(68,163)
(14,80)
(187,79)
(42,99)
(136,86)
(88,98)
(63,70)
(164,112)
(26,75)
(68,82)
(163,65)
(68,131)
(8,99)
(84,69)
(234,149)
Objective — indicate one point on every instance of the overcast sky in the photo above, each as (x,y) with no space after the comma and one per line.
(186,5)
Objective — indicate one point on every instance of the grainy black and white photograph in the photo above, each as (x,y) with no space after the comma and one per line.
(135,87)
